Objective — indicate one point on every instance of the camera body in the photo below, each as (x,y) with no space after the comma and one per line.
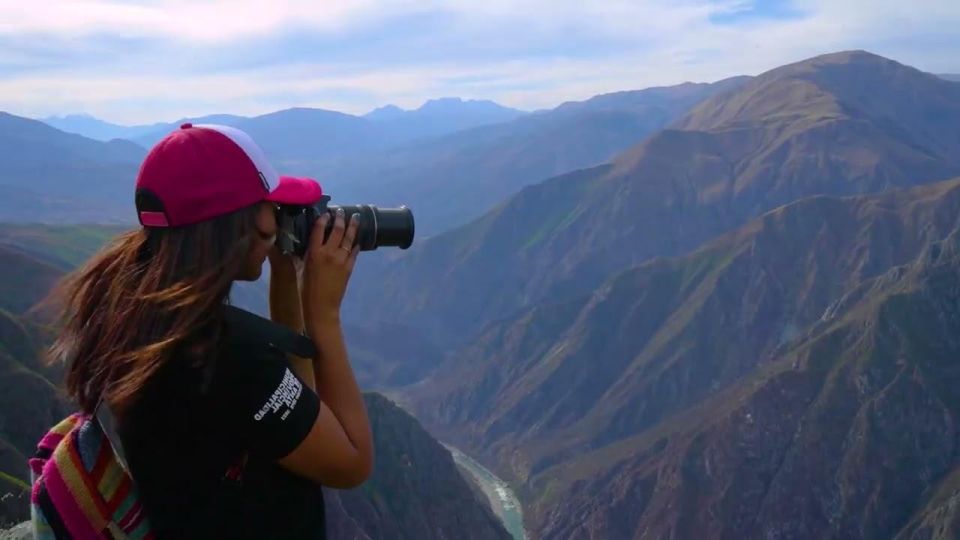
(379,227)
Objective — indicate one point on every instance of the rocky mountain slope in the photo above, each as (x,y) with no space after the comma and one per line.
(820,333)
(850,432)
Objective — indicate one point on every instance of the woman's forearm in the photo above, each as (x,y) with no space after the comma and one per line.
(337,386)
(285,309)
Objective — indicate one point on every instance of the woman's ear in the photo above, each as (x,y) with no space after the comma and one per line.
(267,219)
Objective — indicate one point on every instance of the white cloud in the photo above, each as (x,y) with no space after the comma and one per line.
(193,20)
(658,42)
(223,20)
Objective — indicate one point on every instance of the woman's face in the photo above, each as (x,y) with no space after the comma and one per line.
(263,239)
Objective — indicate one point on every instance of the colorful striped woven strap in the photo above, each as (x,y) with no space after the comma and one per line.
(80,489)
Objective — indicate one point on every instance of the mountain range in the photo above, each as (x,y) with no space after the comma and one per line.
(814,344)
(100,130)
(450,160)
(435,117)
(839,124)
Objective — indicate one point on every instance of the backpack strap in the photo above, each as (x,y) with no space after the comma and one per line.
(256,328)
(108,424)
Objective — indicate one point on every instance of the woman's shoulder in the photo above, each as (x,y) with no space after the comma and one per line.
(243,364)
(245,330)
(239,352)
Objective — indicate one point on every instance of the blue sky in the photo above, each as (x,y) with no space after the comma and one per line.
(144,61)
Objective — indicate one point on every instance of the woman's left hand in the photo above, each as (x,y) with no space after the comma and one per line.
(284,265)
(285,274)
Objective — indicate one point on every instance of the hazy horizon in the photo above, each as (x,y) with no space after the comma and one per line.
(83,114)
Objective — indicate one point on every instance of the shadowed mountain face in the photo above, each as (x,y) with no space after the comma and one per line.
(52,176)
(797,131)
(32,259)
(29,401)
(791,380)
(99,130)
(24,279)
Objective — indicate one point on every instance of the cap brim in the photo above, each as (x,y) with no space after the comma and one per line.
(296,191)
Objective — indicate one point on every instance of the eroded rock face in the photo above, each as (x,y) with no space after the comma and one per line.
(940,521)
(22,531)
(668,402)
(849,434)
(14,507)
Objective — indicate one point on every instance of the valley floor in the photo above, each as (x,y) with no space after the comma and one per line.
(502,499)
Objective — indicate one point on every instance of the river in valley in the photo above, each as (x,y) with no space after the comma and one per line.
(502,499)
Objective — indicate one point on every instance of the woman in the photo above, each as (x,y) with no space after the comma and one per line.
(144,330)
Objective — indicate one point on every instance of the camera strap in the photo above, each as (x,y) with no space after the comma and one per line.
(257,328)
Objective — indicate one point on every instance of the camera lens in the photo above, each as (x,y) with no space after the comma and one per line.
(380,227)
(395,227)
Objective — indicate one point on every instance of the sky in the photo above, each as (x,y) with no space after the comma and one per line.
(145,61)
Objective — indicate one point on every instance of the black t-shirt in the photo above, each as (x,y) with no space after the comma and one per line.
(191,423)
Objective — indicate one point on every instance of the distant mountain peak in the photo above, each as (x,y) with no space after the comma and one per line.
(449,104)
(458,104)
(849,56)
(72,116)
(830,86)
(300,110)
(442,101)
(440,116)
(385,113)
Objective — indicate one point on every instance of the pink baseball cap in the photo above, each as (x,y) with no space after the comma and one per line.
(202,171)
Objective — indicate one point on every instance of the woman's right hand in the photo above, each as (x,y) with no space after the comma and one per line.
(338,450)
(327,269)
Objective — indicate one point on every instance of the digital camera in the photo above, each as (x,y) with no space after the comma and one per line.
(379,227)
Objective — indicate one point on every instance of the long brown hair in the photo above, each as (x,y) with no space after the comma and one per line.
(139,300)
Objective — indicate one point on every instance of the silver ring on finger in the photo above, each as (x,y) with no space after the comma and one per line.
(348,250)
